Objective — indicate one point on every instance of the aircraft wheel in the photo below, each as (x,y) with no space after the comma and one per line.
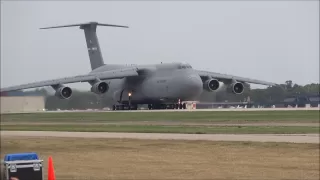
(117,107)
(184,106)
(180,106)
(114,107)
(135,107)
(155,106)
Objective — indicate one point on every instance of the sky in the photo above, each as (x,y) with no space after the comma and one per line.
(273,41)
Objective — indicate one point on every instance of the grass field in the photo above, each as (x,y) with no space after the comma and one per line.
(214,116)
(167,129)
(150,159)
(167,122)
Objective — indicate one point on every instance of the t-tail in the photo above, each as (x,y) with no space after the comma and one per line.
(94,50)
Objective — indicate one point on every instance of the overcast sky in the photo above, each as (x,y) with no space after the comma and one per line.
(265,40)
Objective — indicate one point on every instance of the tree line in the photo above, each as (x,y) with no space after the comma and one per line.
(89,100)
(272,94)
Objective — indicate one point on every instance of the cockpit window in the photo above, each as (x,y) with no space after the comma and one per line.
(185,66)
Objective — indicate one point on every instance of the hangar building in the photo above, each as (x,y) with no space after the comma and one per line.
(16,102)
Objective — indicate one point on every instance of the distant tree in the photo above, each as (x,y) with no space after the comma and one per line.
(312,88)
(288,84)
(41,91)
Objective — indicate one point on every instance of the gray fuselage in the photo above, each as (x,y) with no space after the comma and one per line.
(159,83)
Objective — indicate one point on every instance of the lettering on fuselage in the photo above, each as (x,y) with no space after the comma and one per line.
(92,49)
(162,81)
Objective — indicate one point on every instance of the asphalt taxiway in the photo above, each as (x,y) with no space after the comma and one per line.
(289,138)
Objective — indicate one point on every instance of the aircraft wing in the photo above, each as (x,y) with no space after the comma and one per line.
(114,74)
(226,77)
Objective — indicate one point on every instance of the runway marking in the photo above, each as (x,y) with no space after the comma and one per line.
(289,138)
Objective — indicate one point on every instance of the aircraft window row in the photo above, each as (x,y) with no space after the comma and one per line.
(185,67)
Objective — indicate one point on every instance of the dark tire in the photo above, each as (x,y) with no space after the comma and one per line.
(184,106)
(134,107)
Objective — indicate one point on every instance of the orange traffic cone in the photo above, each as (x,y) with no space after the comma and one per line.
(51,175)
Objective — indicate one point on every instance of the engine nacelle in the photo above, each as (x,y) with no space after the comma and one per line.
(63,92)
(211,85)
(100,87)
(236,88)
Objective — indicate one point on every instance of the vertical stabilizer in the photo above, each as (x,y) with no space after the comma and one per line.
(93,46)
(94,50)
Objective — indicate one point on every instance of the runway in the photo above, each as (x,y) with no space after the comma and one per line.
(172,110)
(289,138)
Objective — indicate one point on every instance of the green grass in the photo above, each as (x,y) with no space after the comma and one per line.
(214,116)
(76,118)
(166,129)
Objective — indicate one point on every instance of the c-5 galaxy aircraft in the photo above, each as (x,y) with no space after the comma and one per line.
(158,85)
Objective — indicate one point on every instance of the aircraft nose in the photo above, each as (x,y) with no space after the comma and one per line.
(194,85)
(195,80)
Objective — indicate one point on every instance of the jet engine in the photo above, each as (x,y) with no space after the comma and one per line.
(236,88)
(63,92)
(100,87)
(211,85)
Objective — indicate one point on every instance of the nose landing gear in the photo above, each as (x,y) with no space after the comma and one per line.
(181,106)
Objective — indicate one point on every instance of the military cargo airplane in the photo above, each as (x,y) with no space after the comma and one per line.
(160,85)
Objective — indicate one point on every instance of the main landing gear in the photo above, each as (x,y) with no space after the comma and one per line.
(129,106)
(167,106)
(125,107)
(150,106)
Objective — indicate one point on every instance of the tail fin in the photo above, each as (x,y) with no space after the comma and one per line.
(94,50)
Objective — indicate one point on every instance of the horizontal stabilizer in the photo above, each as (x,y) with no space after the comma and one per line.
(85,24)
(93,46)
